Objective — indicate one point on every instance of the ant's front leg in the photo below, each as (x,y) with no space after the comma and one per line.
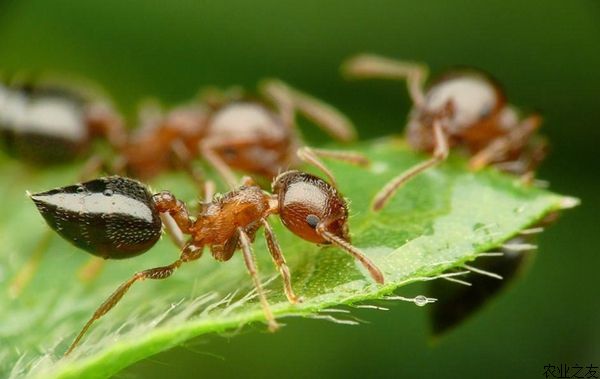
(279,261)
(367,66)
(439,155)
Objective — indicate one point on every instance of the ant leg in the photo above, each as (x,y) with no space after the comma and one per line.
(166,202)
(307,155)
(439,155)
(367,66)
(322,114)
(103,120)
(175,234)
(375,272)
(209,192)
(208,152)
(189,253)
(25,273)
(311,156)
(249,181)
(518,136)
(278,93)
(184,159)
(92,166)
(279,261)
(252,270)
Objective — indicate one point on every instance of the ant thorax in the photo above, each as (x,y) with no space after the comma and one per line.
(243,208)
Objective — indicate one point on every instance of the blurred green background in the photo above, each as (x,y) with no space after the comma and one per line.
(545,52)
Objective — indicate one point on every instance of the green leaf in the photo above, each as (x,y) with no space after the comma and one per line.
(436,223)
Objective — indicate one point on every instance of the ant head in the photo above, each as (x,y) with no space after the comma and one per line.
(310,207)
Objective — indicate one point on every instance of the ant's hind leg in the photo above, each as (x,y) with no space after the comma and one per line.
(368,66)
(279,261)
(439,155)
(208,152)
(253,271)
(322,114)
(105,121)
(184,159)
(189,253)
(92,167)
(312,156)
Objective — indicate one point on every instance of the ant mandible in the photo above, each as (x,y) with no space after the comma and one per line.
(231,130)
(307,205)
(463,108)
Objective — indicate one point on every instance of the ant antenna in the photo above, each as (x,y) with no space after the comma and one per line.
(376,274)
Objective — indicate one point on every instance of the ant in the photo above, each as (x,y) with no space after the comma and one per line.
(227,130)
(463,108)
(88,215)
(46,123)
(231,130)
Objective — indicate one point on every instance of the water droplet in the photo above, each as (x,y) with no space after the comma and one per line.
(421,300)
(108,192)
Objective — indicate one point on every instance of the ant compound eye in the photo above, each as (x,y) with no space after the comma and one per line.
(313,220)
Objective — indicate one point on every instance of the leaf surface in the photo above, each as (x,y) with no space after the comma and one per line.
(435,224)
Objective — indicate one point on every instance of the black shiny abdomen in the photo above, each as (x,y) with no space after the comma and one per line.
(111,217)
(42,125)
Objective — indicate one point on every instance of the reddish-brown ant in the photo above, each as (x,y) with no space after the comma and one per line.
(116,217)
(231,131)
(234,131)
(463,108)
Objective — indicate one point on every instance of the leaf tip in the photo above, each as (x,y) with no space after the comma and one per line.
(568,202)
